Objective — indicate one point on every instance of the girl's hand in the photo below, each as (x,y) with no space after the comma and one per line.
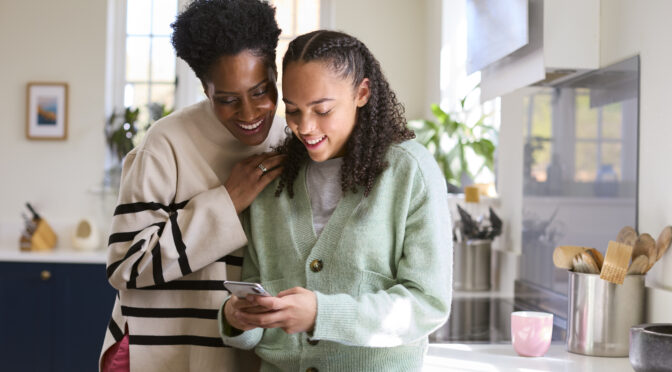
(293,310)
(236,306)
(247,179)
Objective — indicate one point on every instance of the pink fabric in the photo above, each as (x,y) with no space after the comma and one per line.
(116,358)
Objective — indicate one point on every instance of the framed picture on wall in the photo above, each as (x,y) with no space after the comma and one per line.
(47,111)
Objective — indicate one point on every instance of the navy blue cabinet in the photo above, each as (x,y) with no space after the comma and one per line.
(53,316)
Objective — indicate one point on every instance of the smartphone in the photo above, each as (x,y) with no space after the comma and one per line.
(242,289)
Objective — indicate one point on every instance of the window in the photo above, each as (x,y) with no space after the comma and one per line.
(456,84)
(598,140)
(150,57)
(295,17)
(571,139)
(142,67)
(538,133)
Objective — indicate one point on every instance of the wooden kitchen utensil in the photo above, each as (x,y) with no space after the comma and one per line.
(564,254)
(645,245)
(597,257)
(627,235)
(616,262)
(639,265)
(663,242)
(584,263)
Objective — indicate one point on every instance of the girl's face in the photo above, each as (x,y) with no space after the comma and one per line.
(321,107)
(243,96)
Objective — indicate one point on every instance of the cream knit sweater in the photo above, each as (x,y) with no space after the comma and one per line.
(381,270)
(175,237)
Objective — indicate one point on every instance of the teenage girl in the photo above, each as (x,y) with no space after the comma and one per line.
(354,239)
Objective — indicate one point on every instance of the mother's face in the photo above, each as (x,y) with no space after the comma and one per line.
(243,95)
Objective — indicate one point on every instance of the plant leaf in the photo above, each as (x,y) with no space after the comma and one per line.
(486,149)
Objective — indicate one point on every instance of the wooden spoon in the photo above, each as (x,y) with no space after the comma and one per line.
(616,262)
(627,235)
(639,265)
(663,242)
(563,255)
(597,257)
(584,263)
(645,245)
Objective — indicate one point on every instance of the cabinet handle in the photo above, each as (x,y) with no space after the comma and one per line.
(45,274)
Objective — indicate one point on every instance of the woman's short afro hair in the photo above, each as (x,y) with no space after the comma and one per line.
(209,29)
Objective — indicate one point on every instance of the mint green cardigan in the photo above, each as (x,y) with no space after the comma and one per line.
(386,270)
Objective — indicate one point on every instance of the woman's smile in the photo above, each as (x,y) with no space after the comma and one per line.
(252,127)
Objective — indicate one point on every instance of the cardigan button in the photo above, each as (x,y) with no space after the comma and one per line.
(312,342)
(316,266)
(311,369)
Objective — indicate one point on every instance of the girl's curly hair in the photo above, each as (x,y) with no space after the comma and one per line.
(379,123)
(209,29)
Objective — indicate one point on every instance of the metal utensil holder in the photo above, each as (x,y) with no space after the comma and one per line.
(601,314)
(471,266)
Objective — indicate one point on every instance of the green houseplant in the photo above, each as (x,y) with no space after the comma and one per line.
(123,134)
(450,138)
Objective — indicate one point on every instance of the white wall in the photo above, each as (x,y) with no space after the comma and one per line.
(629,28)
(405,37)
(42,41)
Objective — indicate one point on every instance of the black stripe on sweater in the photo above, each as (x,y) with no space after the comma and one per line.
(157,267)
(139,207)
(232,260)
(132,284)
(116,332)
(131,251)
(140,312)
(129,236)
(148,206)
(189,285)
(177,206)
(176,340)
(183,260)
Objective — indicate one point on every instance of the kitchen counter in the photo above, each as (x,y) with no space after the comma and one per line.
(55,256)
(502,358)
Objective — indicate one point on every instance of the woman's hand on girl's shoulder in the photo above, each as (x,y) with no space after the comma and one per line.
(293,310)
(250,176)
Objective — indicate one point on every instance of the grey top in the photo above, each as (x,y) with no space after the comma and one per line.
(323,180)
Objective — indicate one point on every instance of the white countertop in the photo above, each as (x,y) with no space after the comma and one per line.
(502,358)
(55,256)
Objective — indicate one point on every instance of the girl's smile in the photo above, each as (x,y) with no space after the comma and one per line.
(321,107)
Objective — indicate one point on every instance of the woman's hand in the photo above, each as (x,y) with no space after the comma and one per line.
(247,179)
(293,310)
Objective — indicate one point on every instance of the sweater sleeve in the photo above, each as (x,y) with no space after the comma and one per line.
(245,340)
(419,301)
(156,239)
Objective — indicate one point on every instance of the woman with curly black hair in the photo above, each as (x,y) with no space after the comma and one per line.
(176,234)
(353,241)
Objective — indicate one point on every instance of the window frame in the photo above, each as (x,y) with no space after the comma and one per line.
(186,85)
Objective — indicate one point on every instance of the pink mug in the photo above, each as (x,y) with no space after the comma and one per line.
(531,332)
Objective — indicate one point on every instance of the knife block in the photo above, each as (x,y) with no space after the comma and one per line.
(43,238)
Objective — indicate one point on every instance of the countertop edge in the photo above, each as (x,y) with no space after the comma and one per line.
(56,256)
